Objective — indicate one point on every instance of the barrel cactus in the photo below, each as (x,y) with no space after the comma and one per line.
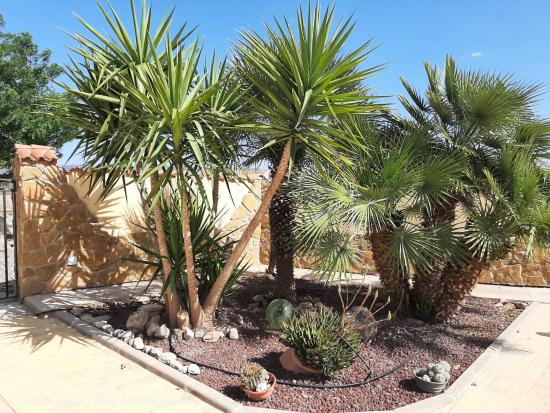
(255,377)
(278,311)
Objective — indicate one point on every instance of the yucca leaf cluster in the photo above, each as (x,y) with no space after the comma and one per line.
(322,340)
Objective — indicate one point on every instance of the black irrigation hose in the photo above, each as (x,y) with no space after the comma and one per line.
(292,384)
(289,383)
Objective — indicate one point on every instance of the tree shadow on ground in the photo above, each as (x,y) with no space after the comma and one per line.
(19,326)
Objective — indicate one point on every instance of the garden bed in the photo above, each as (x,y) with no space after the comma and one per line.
(406,342)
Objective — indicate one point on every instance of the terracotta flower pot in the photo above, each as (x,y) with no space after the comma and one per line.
(262,395)
(290,361)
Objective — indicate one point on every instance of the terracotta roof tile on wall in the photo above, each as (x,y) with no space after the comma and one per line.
(35,153)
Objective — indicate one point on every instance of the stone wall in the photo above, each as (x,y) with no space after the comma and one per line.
(243,214)
(56,220)
(517,269)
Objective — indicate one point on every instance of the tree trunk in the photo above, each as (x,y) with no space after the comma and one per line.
(395,284)
(173,303)
(281,214)
(195,310)
(456,283)
(215,193)
(213,298)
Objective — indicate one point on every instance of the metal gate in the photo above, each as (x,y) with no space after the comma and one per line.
(8,245)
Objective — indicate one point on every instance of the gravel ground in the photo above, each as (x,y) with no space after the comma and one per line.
(406,342)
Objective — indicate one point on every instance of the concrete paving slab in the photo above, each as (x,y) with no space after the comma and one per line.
(65,372)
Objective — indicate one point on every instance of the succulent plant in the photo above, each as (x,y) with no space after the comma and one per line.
(255,377)
(322,340)
(439,372)
(277,312)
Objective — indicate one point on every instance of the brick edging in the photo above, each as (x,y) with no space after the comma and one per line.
(227,405)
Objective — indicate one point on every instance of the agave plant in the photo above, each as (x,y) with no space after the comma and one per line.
(322,340)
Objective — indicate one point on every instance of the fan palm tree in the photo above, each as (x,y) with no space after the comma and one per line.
(481,116)
(392,178)
(297,80)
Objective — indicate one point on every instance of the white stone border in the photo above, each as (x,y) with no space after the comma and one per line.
(228,405)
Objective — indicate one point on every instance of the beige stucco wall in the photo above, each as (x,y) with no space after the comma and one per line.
(57,219)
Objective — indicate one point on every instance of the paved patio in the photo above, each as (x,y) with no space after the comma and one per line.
(49,367)
(514,378)
(517,379)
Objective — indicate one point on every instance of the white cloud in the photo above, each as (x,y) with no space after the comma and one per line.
(476,54)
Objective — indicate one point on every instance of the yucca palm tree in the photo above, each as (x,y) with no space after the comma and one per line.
(112,125)
(298,79)
(139,107)
(225,108)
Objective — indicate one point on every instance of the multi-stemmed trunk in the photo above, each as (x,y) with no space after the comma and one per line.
(445,287)
(173,303)
(195,309)
(281,215)
(215,293)
(456,282)
(394,284)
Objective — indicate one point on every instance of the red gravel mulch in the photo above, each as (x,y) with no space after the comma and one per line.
(405,342)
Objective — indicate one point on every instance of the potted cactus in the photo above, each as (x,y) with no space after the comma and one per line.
(319,341)
(434,378)
(257,383)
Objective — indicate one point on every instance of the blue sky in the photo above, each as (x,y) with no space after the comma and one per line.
(494,35)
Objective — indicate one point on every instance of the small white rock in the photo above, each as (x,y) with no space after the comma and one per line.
(199,333)
(188,334)
(138,343)
(167,357)
(193,369)
(118,332)
(178,366)
(162,332)
(108,328)
(155,351)
(100,324)
(233,334)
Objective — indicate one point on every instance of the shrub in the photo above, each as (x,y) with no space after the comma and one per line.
(211,248)
(322,339)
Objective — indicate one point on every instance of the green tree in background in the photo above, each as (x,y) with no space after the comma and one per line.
(25,75)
